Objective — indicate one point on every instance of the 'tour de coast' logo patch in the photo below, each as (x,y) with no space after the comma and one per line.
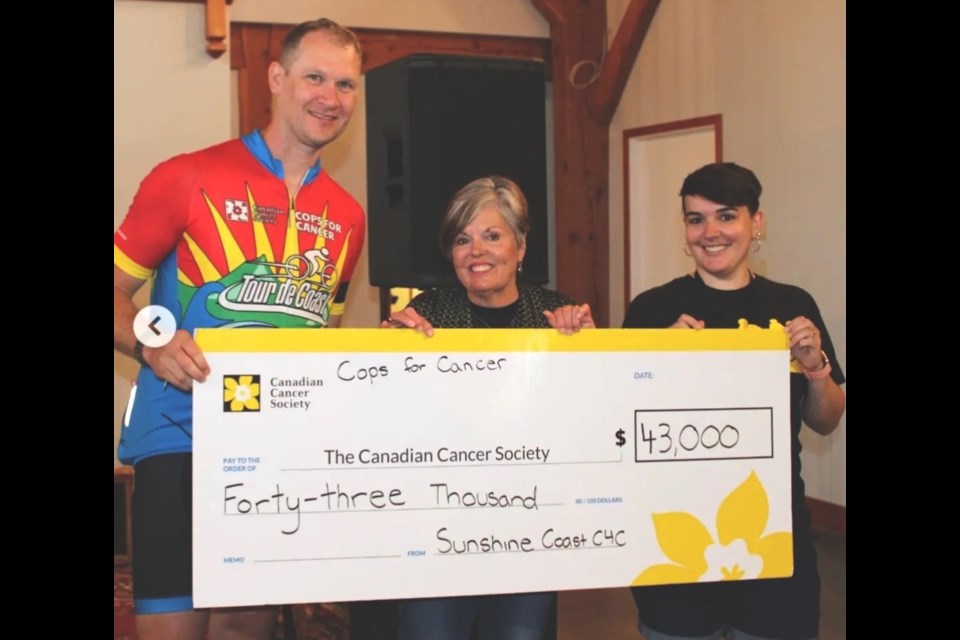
(241,393)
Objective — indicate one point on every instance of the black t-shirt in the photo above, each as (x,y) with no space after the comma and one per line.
(759,302)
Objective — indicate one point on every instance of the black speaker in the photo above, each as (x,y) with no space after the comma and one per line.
(435,123)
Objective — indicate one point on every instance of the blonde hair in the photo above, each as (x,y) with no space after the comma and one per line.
(475,196)
(291,42)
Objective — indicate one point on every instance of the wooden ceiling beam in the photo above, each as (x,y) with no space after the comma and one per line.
(603,96)
(383,46)
(581,157)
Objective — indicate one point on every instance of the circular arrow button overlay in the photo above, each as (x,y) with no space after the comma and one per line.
(154,326)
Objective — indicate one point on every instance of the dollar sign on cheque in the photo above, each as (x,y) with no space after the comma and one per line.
(620,439)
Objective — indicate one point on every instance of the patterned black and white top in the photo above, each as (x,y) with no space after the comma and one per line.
(450,307)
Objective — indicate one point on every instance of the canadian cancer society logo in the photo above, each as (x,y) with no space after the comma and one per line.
(241,393)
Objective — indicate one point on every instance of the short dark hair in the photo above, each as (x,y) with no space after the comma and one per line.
(339,34)
(725,183)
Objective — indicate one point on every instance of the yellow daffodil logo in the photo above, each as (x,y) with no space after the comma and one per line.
(741,551)
(241,393)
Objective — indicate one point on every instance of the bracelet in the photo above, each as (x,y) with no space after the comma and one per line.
(820,373)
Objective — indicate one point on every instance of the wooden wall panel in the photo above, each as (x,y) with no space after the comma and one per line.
(581,157)
(581,172)
(255,45)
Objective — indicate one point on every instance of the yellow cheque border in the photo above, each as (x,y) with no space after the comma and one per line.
(475,340)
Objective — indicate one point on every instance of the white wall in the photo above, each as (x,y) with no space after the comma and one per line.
(656,164)
(169,97)
(776,71)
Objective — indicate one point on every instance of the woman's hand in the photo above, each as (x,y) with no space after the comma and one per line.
(410,319)
(805,343)
(687,322)
(825,402)
(570,318)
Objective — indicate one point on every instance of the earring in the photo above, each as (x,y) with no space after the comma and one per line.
(520,266)
(686,250)
(758,241)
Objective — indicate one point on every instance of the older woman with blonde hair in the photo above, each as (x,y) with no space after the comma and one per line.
(483,233)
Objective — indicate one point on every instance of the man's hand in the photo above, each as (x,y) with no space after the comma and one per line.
(179,362)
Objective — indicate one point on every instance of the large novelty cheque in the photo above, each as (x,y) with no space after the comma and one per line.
(363,464)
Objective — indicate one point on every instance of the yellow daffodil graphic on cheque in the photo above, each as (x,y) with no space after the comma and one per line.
(741,551)
(241,393)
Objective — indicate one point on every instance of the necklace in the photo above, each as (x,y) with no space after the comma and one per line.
(696,276)
(495,317)
(477,318)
